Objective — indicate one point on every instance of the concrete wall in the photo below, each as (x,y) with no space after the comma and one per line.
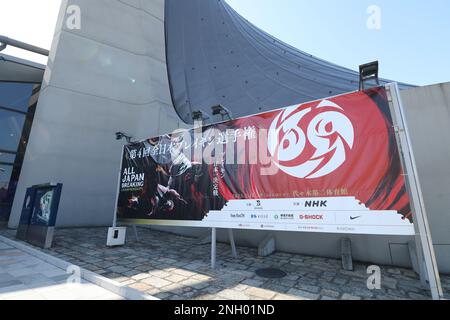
(428,118)
(372,249)
(109,76)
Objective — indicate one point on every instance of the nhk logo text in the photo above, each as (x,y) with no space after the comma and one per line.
(316,204)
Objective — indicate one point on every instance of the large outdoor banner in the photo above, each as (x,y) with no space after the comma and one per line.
(327,166)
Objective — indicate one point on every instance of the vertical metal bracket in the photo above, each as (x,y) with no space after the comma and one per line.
(135,233)
(346,254)
(232,243)
(213,247)
(118,188)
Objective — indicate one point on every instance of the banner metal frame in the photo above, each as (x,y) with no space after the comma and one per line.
(427,260)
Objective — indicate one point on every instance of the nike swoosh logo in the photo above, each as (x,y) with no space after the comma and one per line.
(354,218)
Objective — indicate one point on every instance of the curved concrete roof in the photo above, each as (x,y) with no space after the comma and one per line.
(215,56)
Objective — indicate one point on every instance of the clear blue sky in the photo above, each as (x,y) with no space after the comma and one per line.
(413,44)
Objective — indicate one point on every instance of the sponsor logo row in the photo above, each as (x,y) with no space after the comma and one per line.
(278,216)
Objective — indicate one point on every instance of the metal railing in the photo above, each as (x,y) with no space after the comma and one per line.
(5,42)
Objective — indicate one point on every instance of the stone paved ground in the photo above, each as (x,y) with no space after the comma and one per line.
(169,266)
(25,277)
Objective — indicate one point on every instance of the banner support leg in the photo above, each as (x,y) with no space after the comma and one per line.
(213,247)
(118,189)
(135,233)
(232,243)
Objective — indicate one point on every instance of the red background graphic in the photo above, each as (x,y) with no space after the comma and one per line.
(372,171)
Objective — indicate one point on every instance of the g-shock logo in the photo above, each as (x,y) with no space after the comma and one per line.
(311,143)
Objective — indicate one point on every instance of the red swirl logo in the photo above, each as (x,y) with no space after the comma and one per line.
(311,143)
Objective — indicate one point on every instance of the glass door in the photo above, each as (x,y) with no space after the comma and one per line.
(17,106)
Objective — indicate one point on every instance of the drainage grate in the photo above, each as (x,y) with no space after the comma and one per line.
(271,273)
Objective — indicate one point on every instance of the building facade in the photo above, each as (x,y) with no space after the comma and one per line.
(143,67)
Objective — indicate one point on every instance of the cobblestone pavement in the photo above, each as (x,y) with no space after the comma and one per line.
(25,277)
(175,267)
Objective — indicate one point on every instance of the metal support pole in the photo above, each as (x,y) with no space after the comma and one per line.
(423,233)
(213,247)
(135,232)
(232,243)
(118,188)
(22,45)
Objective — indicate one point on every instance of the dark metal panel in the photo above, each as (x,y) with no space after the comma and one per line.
(215,56)
(17,70)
